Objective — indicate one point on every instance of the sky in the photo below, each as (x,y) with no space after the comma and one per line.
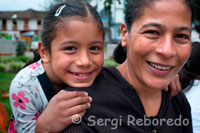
(22,5)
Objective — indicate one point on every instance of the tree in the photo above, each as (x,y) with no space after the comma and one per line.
(108,7)
(197,16)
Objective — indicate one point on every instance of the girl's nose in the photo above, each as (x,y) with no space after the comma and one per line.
(83,60)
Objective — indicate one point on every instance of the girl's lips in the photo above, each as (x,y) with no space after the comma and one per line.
(81,75)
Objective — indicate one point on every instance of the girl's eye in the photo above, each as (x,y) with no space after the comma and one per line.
(70,48)
(94,48)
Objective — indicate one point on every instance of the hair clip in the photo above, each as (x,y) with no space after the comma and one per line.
(59,10)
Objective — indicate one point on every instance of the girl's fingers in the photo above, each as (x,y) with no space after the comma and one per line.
(77,109)
(67,95)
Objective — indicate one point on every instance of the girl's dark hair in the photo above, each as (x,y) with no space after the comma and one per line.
(134,11)
(72,8)
(191,70)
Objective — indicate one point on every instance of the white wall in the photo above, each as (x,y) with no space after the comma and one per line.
(9,24)
(20,24)
(195,36)
(1,24)
(32,24)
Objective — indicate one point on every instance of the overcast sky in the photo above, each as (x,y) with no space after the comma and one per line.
(21,5)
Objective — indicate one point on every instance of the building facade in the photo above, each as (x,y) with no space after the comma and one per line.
(21,25)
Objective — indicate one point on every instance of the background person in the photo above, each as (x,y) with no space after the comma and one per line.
(190,82)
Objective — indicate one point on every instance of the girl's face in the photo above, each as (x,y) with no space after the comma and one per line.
(158,44)
(76,53)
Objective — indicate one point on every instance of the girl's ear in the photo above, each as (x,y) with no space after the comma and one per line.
(124,34)
(44,54)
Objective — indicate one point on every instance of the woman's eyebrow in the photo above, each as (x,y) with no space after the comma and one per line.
(152,24)
(183,28)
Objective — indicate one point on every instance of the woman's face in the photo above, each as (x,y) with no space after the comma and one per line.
(158,44)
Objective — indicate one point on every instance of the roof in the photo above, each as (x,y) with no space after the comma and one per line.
(22,14)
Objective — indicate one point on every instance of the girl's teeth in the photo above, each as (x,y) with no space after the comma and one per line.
(159,67)
(81,75)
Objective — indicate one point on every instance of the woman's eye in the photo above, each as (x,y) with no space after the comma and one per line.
(183,36)
(153,32)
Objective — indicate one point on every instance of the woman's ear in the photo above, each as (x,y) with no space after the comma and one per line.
(44,53)
(124,35)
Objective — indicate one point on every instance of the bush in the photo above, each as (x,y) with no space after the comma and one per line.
(21,47)
(6,59)
(15,66)
(2,67)
(22,58)
(110,62)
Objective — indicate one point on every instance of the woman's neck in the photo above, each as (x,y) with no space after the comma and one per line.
(150,98)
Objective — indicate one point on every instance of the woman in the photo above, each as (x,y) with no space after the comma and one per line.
(129,98)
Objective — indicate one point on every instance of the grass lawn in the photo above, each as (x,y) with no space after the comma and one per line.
(5,79)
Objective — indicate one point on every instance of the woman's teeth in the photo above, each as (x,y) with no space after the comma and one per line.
(164,68)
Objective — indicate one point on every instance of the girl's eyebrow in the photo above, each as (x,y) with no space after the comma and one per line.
(75,42)
(97,41)
(69,42)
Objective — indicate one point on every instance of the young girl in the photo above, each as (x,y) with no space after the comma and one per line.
(71,54)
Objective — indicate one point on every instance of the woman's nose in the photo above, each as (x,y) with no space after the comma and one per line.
(166,48)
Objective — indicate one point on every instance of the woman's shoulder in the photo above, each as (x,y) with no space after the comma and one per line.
(181,101)
(112,74)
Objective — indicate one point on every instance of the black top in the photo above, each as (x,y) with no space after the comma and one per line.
(116,108)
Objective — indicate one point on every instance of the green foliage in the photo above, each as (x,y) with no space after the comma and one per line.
(110,62)
(15,66)
(2,67)
(6,59)
(22,58)
(21,48)
(5,80)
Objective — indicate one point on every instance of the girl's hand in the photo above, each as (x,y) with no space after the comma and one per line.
(62,109)
(174,86)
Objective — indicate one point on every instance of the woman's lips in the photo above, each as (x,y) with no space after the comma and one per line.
(160,70)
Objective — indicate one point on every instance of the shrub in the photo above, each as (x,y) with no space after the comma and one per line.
(15,66)
(6,59)
(2,67)
(21,47)
(110,62)
(22,58)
